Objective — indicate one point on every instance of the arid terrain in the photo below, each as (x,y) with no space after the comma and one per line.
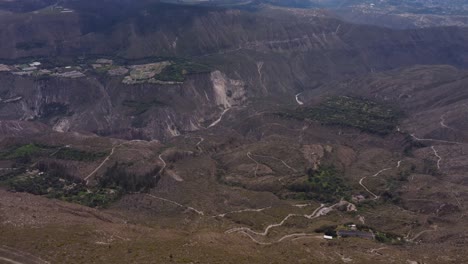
(219,132)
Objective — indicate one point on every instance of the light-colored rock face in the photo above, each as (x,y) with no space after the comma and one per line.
(227,92)
(313,154)
(146,111)
(62,125)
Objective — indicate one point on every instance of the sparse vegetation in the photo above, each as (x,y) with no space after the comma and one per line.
(324,184)
(176,72)
(23,153)
(53,181)
(388,238)
(79,155)
(117,177)
(363,114)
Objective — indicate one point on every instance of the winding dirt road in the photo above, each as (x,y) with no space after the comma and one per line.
(189,208)
(14,256)
(102,164)
(219,119)
(256,162)
(299,102)
(198,144)
(319,211)
(242,211)
(443,124)
(164,164)
(271,157)
(375,175)
(439,158)
(367,189)
(436,140)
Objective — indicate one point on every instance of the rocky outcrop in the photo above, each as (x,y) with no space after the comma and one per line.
(109,107)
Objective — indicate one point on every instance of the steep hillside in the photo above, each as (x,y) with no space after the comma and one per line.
(106,106)
(216,132)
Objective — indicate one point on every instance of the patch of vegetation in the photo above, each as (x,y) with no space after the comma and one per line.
(51,179)
(30,45)
(117,177)
(21,151)
(23,154)
(363,114)
(388,238)
(177,71)
(324,184)
(79,155)
(140,107)
(411,144)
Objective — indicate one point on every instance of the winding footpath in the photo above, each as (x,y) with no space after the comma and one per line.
(102,164)
(271,157)
(189,208)
(198,144)
(256,162)
(219,119)
(375,175)
(299,102)
(319,211)
(242,211)
(443,124)
(439,158)
(436,140)
(164,164)
(14,256)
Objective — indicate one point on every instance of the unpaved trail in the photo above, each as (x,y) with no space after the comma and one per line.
(375,175)
(422,233)
(295,236)
(219,119)
(164,164)
(436,140)
(443,124)
(177,204)
(14,256)
(399,163)
(9,260)
(319,211)
(242,211)
(271,157)
(256,162)
(171,173)
(198,144)
(102,164)
(439,158)
(267,229)
(299,102)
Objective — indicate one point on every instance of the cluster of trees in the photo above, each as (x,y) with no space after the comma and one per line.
(363,114)
(53,181)
(324,184)
(118,177)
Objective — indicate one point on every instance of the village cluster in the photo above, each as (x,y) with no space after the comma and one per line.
(132,74)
